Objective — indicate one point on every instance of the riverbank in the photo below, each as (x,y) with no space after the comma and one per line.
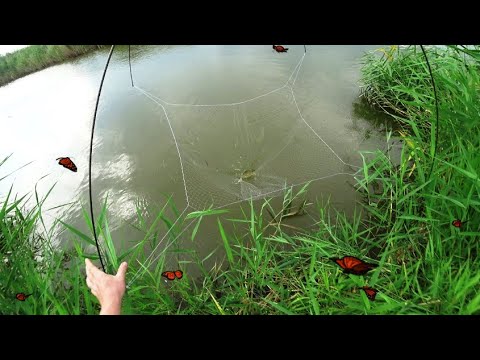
(425,264)
(37,57)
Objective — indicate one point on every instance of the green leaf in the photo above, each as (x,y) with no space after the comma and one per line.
(196,214)
(78,233)
(279,307)
(195,229)
(228,249)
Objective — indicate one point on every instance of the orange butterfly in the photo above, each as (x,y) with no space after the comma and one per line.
(353,265)
(67,163)
(371,292)
(458,223)
(22,296)
(171,275)
(280,48)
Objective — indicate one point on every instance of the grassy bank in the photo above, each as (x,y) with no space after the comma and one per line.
(37,57)
(426,266)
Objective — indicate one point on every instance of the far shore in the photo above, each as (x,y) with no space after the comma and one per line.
(38,57)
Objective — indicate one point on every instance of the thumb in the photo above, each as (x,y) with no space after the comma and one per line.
(122,270)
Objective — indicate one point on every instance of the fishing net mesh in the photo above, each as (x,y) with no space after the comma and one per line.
(263,145)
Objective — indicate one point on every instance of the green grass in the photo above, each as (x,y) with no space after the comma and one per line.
(426,266)
(37,57)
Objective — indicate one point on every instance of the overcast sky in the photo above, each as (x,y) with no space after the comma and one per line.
(10,48)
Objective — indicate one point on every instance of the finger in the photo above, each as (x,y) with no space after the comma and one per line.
(92,270)
(92,284)
(90,274)
(89,266)
(89,283)
(122,270)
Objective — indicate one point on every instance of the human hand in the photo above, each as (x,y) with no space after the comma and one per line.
(109,289)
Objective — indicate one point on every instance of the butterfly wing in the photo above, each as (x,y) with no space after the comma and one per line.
(353,265)
(347,263)
(371,293)
(170,275)
(458,223)
(179,274)
(362,268)
(351,261)
(66,162)
(72,166)
(339,262)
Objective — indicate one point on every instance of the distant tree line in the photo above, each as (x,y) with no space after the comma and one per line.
(37,57)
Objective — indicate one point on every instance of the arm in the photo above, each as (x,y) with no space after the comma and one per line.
(113,308)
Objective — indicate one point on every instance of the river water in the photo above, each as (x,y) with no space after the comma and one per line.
(207,125)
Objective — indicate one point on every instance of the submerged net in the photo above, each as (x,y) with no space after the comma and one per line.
(262,146)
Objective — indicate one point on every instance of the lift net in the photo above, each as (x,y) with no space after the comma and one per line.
(248,149)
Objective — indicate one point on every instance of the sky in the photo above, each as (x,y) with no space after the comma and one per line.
(10,48)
